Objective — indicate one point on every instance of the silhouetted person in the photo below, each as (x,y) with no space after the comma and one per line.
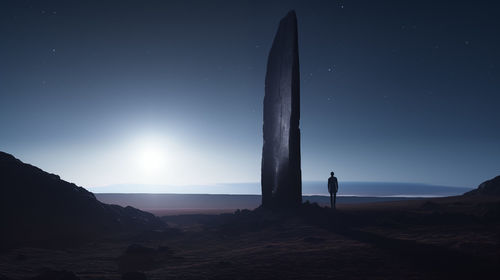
(333,188)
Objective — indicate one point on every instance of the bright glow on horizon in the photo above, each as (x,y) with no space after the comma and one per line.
(152,157)
(148,157)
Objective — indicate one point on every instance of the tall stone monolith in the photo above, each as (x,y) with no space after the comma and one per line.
(281,177)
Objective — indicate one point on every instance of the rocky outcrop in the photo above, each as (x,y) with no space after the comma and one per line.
(281,171)
(38,206)
(490,187)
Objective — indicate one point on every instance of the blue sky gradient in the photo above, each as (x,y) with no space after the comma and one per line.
(171,92)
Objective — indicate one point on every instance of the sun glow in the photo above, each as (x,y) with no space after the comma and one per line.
(152,157)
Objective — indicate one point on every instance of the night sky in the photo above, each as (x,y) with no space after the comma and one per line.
(171,92)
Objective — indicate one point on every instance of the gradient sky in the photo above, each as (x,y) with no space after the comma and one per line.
(171,92)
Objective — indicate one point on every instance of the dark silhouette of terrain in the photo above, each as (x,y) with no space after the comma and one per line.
(440,238)
(40,207)
(490,187)
(444,238)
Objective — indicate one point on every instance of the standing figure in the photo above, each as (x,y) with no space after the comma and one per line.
(333,188)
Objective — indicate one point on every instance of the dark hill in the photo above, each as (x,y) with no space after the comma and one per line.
(38,206)
(490,187)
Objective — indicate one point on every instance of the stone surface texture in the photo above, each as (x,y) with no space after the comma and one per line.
(281,177)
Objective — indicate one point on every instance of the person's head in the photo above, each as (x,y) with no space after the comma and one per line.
(331,173)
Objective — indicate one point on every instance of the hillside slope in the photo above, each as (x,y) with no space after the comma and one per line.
(38,206)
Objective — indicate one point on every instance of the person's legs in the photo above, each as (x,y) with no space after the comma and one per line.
(331,201)
(335,200)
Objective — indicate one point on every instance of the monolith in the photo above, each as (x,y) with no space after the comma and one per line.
(281,177)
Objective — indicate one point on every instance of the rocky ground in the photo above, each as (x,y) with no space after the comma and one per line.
(456,237)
